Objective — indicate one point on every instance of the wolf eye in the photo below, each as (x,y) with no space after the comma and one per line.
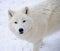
(24,21)
(15,22)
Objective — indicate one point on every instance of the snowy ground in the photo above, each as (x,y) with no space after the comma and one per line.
(9,42)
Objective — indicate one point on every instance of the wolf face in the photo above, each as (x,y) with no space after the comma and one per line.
(20,23)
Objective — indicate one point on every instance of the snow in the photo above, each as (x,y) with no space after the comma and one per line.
(52,42)
(9,42)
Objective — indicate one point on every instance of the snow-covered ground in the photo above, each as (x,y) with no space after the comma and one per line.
(9,42)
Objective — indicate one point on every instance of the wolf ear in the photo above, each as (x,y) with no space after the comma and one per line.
(25,10)
(11,13)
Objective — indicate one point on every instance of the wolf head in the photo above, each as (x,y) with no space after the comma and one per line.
(20,22)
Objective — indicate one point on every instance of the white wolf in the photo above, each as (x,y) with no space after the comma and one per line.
(35,22)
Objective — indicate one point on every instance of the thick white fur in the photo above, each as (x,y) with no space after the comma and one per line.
(44,19)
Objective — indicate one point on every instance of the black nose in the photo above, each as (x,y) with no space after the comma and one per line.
(21,30)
